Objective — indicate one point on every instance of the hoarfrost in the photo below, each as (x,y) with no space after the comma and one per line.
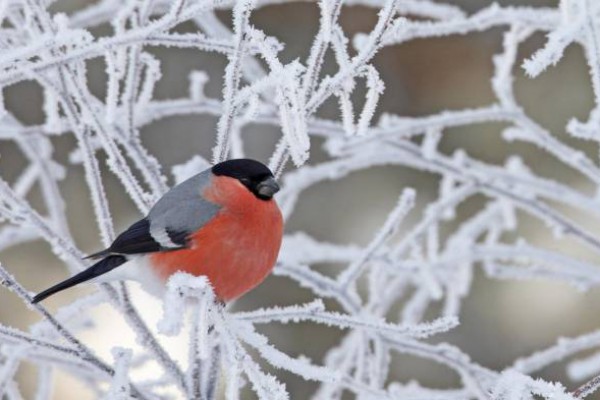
(385,288)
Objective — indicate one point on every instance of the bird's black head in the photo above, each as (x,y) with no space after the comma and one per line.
(252,174)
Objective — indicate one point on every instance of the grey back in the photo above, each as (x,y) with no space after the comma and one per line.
(183,208)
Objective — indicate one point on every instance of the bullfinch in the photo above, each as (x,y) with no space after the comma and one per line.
(222,223)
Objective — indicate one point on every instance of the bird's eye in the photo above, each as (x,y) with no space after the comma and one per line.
(245,181)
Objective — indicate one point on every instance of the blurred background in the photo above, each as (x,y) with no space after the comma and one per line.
(500,321)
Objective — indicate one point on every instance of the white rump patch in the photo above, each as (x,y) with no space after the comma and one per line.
(138,269)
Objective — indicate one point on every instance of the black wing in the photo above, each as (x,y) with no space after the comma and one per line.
(137,239)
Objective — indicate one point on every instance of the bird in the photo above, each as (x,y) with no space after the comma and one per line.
(222,223)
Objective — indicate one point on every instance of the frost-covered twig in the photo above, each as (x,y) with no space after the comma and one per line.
(84,353)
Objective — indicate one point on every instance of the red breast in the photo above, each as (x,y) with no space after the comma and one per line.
(237,249)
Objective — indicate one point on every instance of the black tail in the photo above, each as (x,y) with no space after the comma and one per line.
(101,267)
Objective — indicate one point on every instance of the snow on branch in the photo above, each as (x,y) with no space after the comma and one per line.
(384,294)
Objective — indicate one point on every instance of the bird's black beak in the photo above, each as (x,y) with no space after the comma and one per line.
(267,188)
